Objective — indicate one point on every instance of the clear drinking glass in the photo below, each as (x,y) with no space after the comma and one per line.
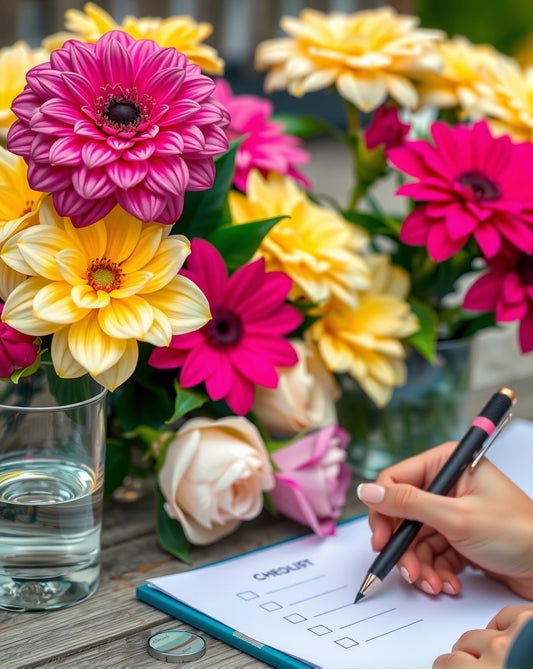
(52,450)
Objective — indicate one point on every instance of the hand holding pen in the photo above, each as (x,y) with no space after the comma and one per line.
(487,522)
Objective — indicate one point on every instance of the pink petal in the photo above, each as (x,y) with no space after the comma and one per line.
(92,183)
(167,175)
(206,268)
(488,239)
(291,502)
(459,223)
(440,245)
(93,211)
(197,366)
(141,203)
(219,383)
(254,366)
(483,295)
(525,333)
(201,174)
(166,357)
(415,227)
(240,398)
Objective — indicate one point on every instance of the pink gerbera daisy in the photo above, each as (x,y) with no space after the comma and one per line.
(119,121)
(470,183)
(265,145)
(244,342)
(507,290)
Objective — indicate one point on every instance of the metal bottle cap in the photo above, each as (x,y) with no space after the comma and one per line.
(177,646)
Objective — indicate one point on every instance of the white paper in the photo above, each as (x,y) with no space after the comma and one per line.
(297,596)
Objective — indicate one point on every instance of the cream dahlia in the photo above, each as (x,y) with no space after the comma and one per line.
(99,290)
(313,245)
(366,342)
(122,121)
(367,55)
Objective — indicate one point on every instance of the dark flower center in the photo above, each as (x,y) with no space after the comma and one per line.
(524,267)
(225,328)
(482,187)
(104,274)
(122,112)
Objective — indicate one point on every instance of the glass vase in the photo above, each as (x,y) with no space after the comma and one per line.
(430,408)
(52,450)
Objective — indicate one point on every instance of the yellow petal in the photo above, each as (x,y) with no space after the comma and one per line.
(64,363)
(160,333)
(86,297)
(33,251)
(126,319)
(72,264)
(54,303)
(18,309)
(167,262)
(147,245)
(9,280)
(184,304)
(122,370)
(124,231)
(131,284)
(365,93)
(91,240)
(93,349)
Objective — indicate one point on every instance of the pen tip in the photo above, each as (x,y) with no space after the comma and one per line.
(358,597)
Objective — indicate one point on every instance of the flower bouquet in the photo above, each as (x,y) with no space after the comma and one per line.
(159,234)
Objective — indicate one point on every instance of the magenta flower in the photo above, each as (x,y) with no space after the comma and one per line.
(470,183)
(245,340)
(17,350)
(120,121)
(507,290)
(313,479)
(265,145)
(386,129)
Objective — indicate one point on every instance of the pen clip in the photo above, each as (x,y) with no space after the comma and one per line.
(490,440)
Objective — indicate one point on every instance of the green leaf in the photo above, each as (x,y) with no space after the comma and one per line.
(468,325)
(204,211)
(238,243)
(186,401)
(425,339)
(375,225)
(304,126)
(117,465)
(170,533)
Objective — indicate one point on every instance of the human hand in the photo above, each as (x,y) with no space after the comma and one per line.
(485,522)
(489,647)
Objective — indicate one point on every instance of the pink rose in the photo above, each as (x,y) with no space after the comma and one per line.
(17,350)
(313,478)
(214,476)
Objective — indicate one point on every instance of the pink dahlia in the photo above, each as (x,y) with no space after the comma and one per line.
(265,145)
(507,290)
(470,183)
(119,121)
(244,342)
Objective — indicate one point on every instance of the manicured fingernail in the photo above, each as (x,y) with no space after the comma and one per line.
(448,588)
(405,574)
(427,588)
(370,492)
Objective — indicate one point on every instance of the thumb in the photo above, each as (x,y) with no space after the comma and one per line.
(401,500)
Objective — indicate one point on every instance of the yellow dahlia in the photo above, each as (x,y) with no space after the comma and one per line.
(464,66)
(365,342)
(367,55)
(505,97)
(101,289)
(15,61)
(180,32)
(19,208)
(313,245)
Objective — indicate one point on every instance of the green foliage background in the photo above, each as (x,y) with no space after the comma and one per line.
(506,24)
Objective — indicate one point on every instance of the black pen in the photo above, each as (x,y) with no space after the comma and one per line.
(479,436)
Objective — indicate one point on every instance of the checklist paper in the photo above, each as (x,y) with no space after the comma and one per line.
(297,596)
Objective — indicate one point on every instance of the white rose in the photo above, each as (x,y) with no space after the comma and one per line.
(214,476)
(303,399)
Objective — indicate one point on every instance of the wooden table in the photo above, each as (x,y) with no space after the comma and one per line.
(110,630)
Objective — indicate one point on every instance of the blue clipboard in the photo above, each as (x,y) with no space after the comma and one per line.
(217,629)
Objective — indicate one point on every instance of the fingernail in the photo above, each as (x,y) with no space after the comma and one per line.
(370,492)
(448,588)
(405,574)
(427,588)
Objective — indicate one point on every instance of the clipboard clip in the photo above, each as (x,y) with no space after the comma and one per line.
(490,440)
